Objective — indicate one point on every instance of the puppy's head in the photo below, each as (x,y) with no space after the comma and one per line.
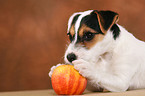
(87,30)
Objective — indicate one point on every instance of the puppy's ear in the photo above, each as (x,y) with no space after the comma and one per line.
(106,19)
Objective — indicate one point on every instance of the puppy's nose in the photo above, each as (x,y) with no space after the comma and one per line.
(71,57)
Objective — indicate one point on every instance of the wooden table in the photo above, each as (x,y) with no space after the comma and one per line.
(50,92)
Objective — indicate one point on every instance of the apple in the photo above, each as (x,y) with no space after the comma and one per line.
(67,81)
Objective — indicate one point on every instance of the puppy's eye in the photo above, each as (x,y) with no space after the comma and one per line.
(70,36)
(88,36)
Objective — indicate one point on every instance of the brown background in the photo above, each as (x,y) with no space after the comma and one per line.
(33,36)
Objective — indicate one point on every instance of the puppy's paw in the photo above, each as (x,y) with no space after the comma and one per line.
(52,69)
(85,68)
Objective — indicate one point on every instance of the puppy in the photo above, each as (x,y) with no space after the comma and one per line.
(104,52)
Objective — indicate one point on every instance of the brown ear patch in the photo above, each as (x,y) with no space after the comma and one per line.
(106,19)
(101,23)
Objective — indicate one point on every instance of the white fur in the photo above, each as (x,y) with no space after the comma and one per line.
(77,25)
(71,18)
(116,65)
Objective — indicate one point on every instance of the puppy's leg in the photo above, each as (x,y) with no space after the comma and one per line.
(112,80)
(93,88)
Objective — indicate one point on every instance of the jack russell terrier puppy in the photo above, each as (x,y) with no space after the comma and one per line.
(104,52)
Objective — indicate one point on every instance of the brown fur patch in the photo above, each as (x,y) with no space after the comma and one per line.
(85,28)
(97,37)
(72,30)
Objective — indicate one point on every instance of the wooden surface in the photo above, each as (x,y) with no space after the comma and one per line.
(51,92)
(33,36)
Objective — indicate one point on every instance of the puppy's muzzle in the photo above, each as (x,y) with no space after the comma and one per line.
(71,57)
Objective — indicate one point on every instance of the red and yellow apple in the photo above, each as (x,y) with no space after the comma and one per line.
(67,81)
